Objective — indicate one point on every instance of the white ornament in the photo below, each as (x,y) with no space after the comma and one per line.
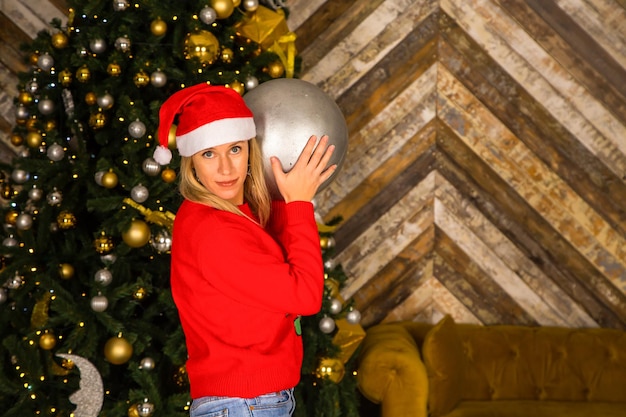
(147,364)
(35,193)
(137,129)
(21,112)
(251,82)
(208,15)
(161,241)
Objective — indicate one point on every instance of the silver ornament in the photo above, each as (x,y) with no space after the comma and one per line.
(105,101)
(336,306)
(98,177)
(24,221)
(145,409)
(35,193)
(99,303)
(98,45)
(32,86)
(287,111)
(327,325)
(147,364)
(21,112)
(109,258)
(139,193)
(103,277)
(15,282)
(55,152)
(158,78)
(54,198)
(24,153)
(20,176)
(151,167)
(251,82)
(353,316)
(68,102)
(90,396)
(208,15)
(9,242)
(4,296)
(122,44)
(161,241)
(120,5)
(82,52)
(46,106)
(45,61)
(137,129)
(330,264)
(250,5)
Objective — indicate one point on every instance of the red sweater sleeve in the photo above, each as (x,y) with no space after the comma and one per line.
(279,269)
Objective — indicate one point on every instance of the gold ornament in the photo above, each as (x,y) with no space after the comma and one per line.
(203,45)
(168,175)
(65,77)
(31,124)
(117,350)
(103,244)
(33,58)
(66,271)
(83,74)
(158,27)
(25,97)
(140,293)
(223,8)
(109,180)
(47,341)
(137,234)
(11,217)
(348,338)
(16,140)
(97,120)
(238,86)
(333,287)
(39,317)
(165,219)
(59,40)
(114,69)
(227,55)
(275,69)
(7,191)
(331,368)
(50,125)
(171,137)
(133,410)
(141,79)
(66,220)
(91,98)
(180,377)
(236,3)
(33,139)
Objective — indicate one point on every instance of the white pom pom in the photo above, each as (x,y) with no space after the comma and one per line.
(162,155)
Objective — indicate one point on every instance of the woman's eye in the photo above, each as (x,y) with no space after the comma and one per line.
(236,149)
(208,154)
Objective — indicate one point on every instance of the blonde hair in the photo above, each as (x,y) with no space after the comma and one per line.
(255,189)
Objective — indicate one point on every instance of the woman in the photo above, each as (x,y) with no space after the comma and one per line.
(244,268)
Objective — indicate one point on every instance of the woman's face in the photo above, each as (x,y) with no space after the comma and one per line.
(223,169)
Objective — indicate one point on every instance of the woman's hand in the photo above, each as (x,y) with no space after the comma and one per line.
(308,173)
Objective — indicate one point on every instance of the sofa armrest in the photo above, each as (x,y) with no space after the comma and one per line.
(391,372)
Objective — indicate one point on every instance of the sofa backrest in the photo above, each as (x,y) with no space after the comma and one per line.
(471,362)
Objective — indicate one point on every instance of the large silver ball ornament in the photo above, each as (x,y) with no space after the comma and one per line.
(103,277)
(45,61)
(327,325)
(35,194)
(151,167)
(55,152)
(137,129)
(46,106)
(99,303)
(24,221)
(98,45)
(158,78)
(105,101)
(208,15)
(19,176)
(287,112)
(139,193)
(21,112)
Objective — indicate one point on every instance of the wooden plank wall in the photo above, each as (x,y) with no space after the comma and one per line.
(486,166)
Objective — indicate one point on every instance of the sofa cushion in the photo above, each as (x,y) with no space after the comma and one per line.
(444,361)
(538,409)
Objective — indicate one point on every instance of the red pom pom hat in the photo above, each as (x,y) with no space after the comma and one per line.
(208,116)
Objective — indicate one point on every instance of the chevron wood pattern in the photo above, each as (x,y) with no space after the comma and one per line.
(486,166)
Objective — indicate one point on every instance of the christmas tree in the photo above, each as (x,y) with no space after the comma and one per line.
(88,323)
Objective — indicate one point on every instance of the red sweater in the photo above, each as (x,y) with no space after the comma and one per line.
(238,289)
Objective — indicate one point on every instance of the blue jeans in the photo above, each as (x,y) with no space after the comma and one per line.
(275,404)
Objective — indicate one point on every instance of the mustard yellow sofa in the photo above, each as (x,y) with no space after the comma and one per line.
(462,370)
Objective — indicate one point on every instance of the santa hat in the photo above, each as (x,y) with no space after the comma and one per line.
(207,116)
